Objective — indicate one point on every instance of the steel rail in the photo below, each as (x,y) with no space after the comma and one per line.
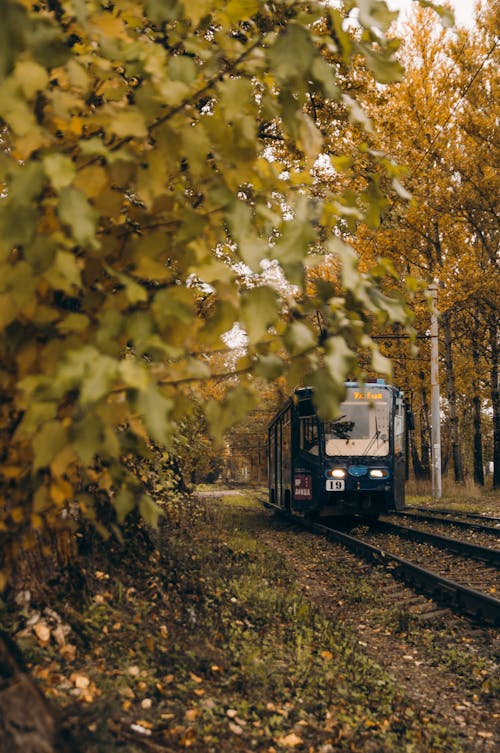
(447,521)
(459,513)
(488,554)
(479,605)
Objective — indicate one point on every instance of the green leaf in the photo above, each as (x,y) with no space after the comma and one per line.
(164,10)
(73,323)
(356,113)
(64,274)
(46,43)
(134,374)
(339,358)
(155,409)
(128,123)
(124,503)
(221,415)
(241,10)
(269,367)
(292,55)
(17,225)
(60,169)
(380,363)
(149,510)
(13,23)
(385,70)
(86,437)
(98,379)
(182,68)
(447,16)
(75,211)
(26,183)
(235,96)
(299,338)
(375,13)
(87,370)
(51,438)
(31,76)
(259,310)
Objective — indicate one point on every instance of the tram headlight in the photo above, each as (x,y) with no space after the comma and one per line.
(337,473)
(378,473)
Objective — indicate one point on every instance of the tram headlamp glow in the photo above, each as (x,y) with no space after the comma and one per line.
(337,473)
(378,473)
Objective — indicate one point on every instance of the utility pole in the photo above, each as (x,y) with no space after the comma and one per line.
(435,408)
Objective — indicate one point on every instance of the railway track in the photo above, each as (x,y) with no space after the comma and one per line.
(472,524)
(492,520)
(463,577)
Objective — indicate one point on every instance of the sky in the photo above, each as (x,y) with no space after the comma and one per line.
(464,9)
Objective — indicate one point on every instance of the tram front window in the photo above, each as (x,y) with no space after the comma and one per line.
(362,427)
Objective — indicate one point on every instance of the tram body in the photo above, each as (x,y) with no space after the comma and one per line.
(353,465)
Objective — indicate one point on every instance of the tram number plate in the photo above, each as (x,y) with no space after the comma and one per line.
(335,485)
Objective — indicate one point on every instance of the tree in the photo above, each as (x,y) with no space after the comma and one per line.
(450,229)
(139,207)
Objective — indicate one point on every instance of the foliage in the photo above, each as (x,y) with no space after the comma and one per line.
(141,204)
(449,231)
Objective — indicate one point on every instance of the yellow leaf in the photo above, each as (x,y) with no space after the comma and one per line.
(76,126)
(111,26)
(31,76)
(11,471)
(91,180)
(36,521)
(60,491)
(62,460)
(290,741)
(129,123)
(17,514)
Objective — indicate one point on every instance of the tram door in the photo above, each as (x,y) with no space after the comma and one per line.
(399,454)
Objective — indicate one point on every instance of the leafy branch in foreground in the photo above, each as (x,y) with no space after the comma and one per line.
(133,180)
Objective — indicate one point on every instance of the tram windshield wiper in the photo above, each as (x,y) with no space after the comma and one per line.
(374,439)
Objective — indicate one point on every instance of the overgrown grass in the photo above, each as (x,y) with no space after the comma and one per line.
(467,496)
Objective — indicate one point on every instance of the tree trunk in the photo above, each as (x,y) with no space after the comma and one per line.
(495,400)
(418,468)
(456,447)
(476,408)
(27,724)
(425,432)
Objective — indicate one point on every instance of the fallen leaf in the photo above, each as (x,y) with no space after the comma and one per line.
(42,632)
(68,652)
(79,680)
(290,741)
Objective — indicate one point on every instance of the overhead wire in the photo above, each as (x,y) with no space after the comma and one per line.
(464,91)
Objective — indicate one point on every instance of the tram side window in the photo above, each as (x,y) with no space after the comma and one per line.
(309,439)
(399,428)
(286,444)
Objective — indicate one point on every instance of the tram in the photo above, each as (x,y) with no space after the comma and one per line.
(355,464)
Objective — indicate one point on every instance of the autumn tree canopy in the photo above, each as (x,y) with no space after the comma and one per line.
(441,122)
